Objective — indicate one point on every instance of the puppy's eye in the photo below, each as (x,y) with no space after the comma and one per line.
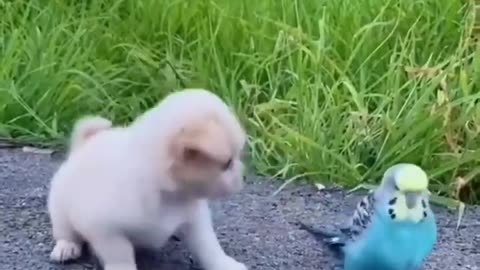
(227,164)
(396,187)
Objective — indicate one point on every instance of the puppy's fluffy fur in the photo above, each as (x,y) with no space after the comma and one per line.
(122,187)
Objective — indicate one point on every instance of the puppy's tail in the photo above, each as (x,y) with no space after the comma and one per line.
(87,127)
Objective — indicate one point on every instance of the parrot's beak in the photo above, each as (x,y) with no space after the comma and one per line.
(411,199)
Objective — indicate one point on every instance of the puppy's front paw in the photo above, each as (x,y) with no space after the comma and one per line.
(229,263)
(65,250)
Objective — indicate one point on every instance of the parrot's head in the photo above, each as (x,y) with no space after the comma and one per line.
(405,189)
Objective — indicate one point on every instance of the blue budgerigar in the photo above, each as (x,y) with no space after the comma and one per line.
(392,228)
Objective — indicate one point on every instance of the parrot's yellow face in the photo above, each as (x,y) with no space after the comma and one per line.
(405,211)
(407,186)
(411,179)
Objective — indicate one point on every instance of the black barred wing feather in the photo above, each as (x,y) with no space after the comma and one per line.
(361,216)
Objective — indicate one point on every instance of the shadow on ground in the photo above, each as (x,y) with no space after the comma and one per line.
(254,227)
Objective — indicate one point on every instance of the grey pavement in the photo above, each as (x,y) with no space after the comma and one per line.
(254,227)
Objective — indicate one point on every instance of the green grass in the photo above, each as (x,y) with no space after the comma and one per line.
(320,85)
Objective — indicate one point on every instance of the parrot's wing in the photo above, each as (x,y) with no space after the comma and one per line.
(361,216)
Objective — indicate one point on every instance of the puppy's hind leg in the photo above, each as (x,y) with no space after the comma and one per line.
(114,251)
(68,245)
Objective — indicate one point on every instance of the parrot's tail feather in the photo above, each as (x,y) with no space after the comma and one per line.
(316,232)
(334,241)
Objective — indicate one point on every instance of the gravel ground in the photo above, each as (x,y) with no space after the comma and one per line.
(253,226)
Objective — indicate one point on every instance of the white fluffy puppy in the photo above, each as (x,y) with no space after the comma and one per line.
(123,187)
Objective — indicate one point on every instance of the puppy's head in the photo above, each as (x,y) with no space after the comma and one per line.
(206,156)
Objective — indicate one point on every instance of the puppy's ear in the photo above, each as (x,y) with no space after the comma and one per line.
(202,145)
(194,155)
